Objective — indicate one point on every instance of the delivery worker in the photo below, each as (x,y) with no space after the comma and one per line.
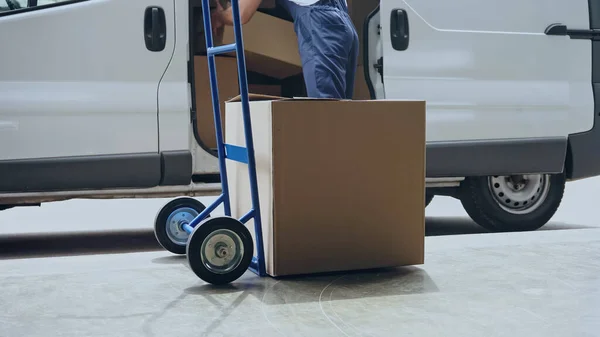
(327,41)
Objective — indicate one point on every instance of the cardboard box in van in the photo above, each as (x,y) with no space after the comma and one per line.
(341,183)
(199,39)
(361,89)
(227,80)
(271,46)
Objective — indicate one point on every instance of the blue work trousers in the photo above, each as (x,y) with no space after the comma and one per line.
(328,45)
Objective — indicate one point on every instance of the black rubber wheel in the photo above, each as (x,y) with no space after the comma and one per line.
(512,203)
(167,225)
(428,199)
(220,250)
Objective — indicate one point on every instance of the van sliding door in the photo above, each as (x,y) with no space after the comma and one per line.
(79,85)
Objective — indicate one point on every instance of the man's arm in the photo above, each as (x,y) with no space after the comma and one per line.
(247,10)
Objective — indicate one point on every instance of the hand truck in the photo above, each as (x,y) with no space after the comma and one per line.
(220,249)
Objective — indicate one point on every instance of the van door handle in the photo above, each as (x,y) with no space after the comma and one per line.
(558,29)
(399,29)
(155,28)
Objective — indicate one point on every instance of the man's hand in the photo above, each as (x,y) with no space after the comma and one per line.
(217,18)
(225,16)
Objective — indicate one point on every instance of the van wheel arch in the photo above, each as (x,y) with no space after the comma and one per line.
(428,198)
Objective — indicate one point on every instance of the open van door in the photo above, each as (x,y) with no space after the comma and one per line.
(584,148)
(510,87)
(502,95)
(79,85)
(373,54)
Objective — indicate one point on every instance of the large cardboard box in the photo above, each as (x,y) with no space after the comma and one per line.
(341,183)
(227,80)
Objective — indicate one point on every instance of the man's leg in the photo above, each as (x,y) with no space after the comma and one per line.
(352,65)
(325,50)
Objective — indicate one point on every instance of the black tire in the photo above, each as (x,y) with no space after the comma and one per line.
(428,199)
(242,260)
(189,208)
(483,200)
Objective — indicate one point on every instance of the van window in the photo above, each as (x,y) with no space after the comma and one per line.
(8,5)
(12,5)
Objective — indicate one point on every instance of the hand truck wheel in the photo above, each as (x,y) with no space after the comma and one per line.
(220,250)
(167,225)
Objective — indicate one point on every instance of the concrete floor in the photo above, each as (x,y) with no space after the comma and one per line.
(544,283)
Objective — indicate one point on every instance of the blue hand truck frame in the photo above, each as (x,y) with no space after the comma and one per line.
(221,249)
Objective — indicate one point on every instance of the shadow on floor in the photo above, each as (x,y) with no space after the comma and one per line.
(84,243)
(328,286)
(320,291)
(439,226)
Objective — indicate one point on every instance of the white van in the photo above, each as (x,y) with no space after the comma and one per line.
(89,109)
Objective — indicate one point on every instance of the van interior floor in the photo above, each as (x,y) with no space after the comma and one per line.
(542,283)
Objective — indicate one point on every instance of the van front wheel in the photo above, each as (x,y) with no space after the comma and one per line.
(512,203)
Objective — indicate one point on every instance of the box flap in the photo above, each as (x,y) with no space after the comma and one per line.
(262,97)
(255,97)
(313,99)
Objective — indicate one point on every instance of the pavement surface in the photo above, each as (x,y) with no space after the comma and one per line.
(527,284)
(93,268)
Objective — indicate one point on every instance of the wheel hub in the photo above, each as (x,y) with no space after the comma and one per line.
(519,194)
(222,251)
(175,223)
